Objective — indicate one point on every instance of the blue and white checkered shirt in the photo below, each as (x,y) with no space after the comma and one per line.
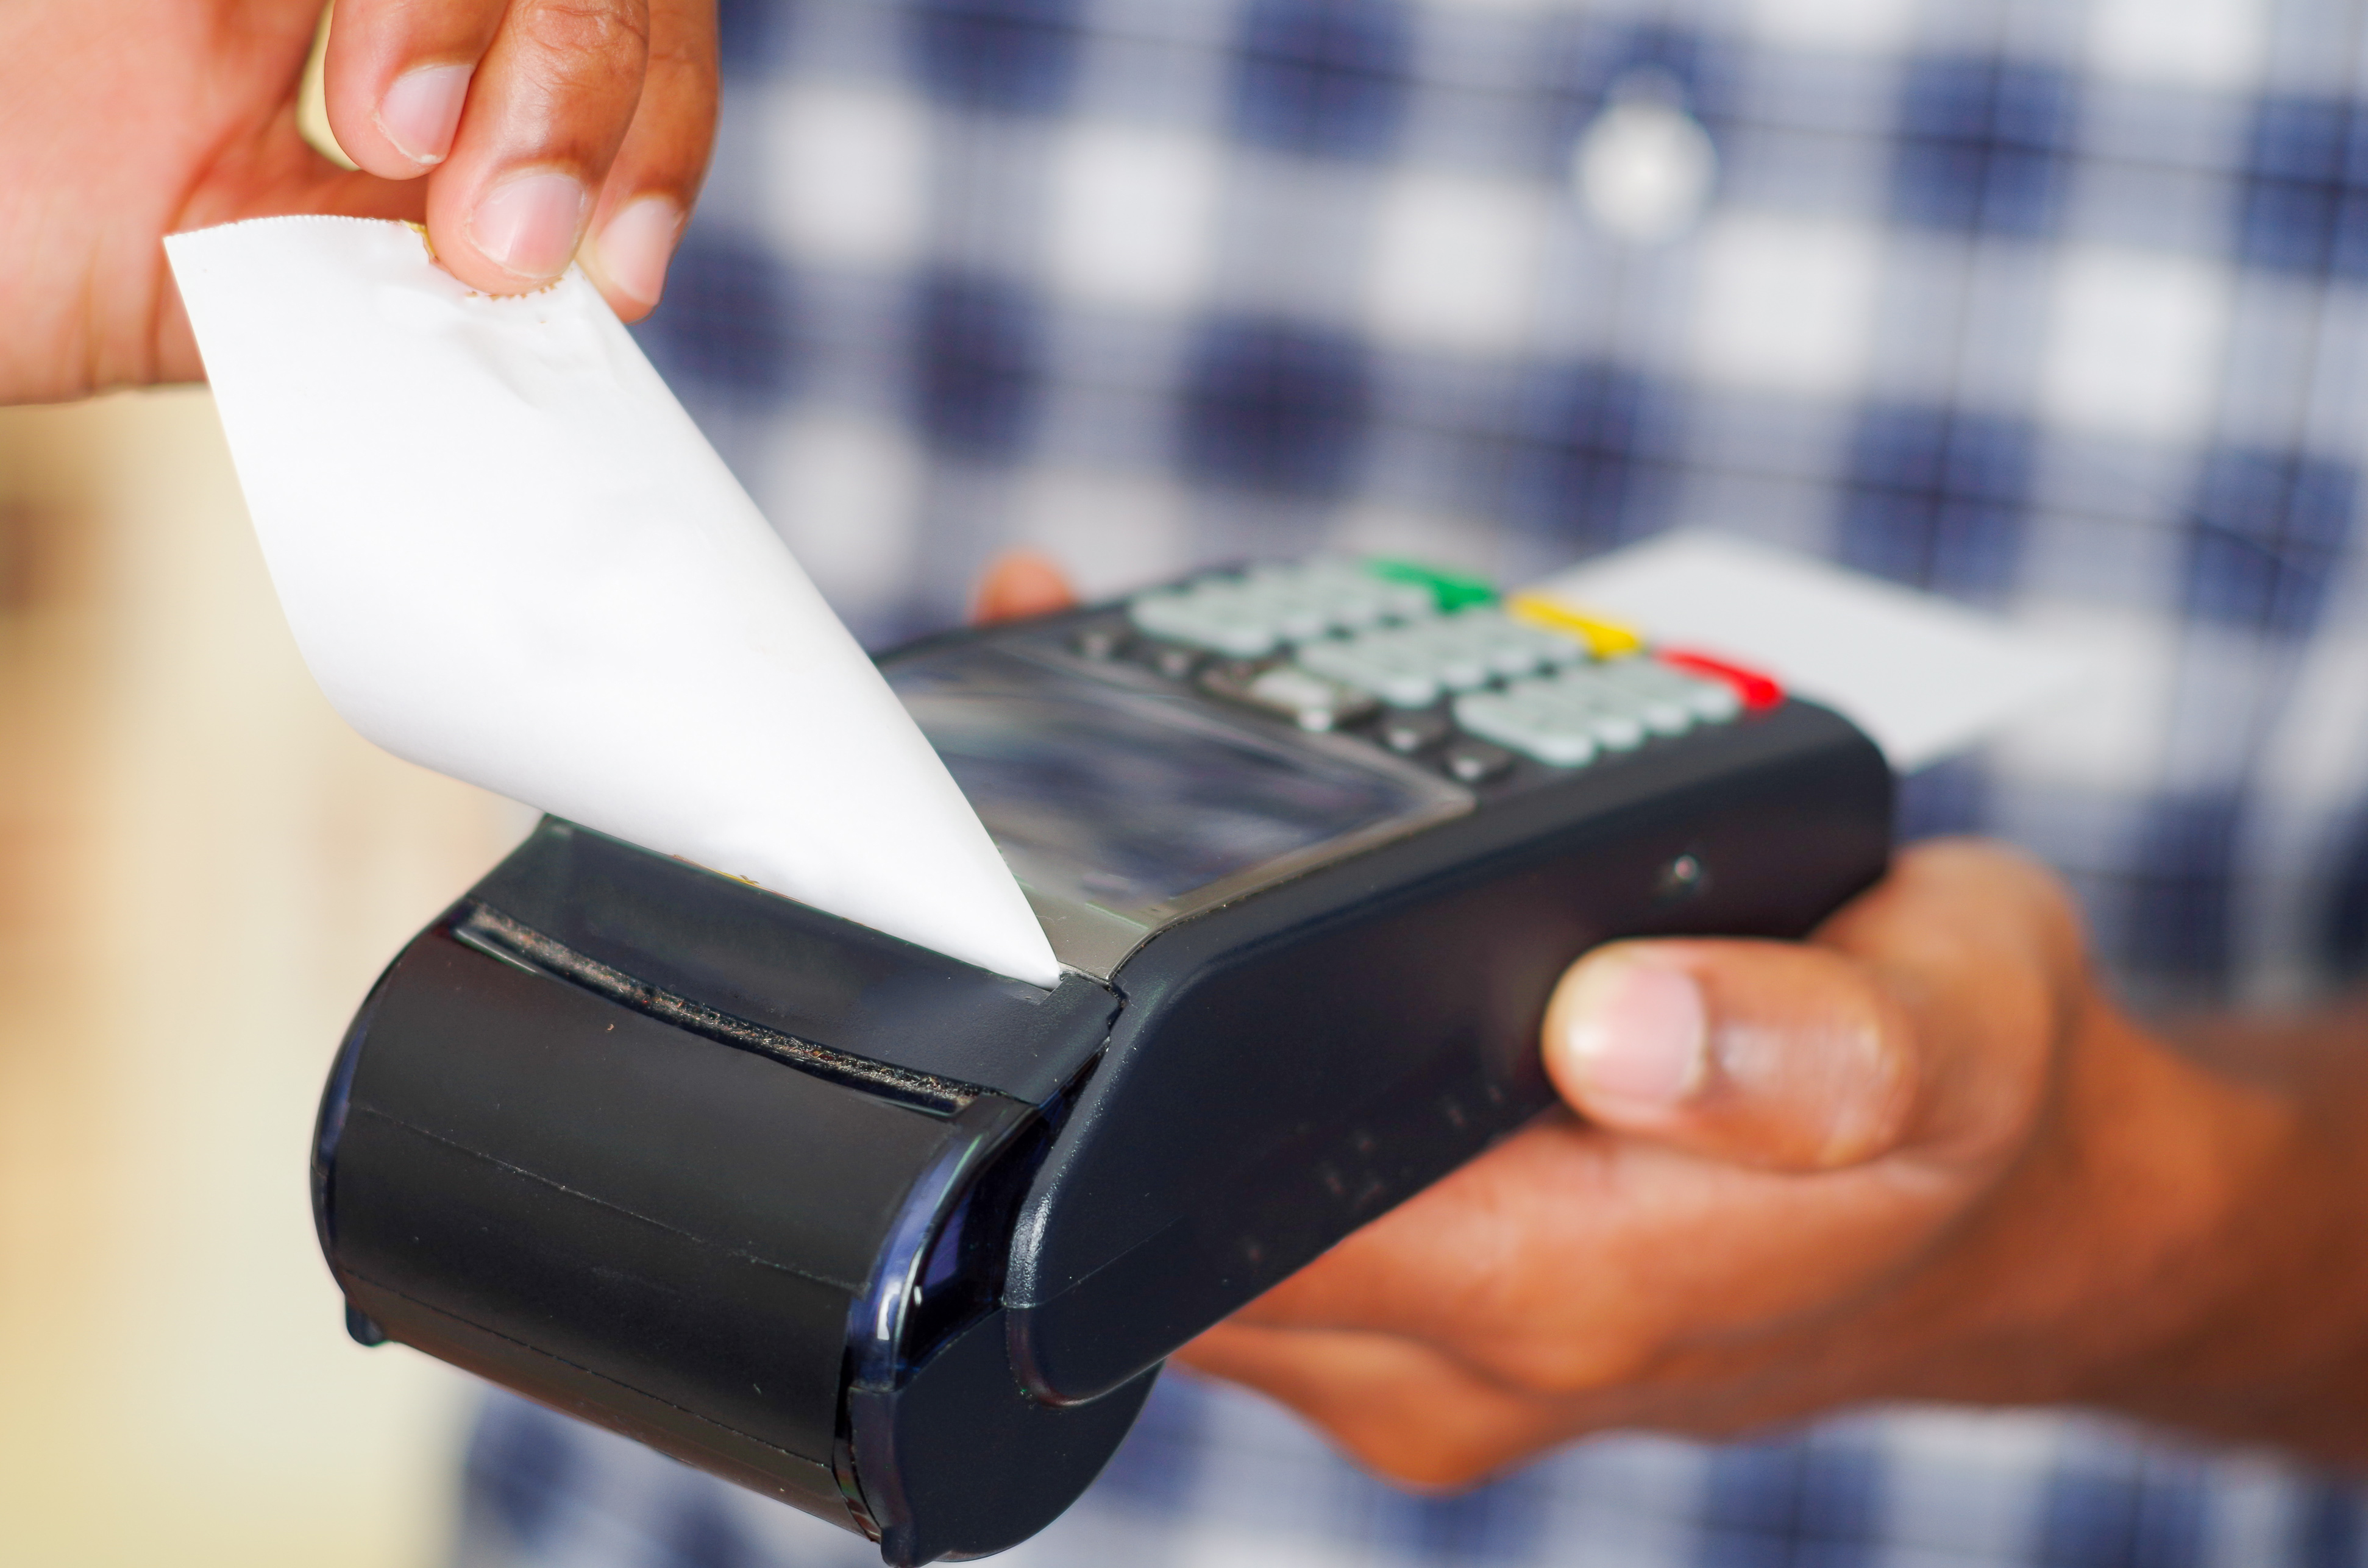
(2054,306)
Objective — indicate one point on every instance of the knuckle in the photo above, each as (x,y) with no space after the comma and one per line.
(684,69)
(2011,875)
(1565,1366)
(690,54)
(684,42)
(579,30)
(1567,1371)
(1426,1462)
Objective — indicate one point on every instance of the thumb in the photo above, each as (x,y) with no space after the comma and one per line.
(1762,1054)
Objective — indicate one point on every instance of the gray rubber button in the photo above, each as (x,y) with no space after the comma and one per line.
(1476,762)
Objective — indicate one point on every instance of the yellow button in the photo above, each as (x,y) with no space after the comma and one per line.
(1604,638)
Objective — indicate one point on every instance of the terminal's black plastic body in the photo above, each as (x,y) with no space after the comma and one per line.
(903,1243)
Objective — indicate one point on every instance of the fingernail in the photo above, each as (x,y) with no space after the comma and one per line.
(1636,1032)
(421,111)
(636,244)
(528,225)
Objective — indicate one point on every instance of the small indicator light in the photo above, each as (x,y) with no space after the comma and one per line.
(1757,690)
(1452,591)
(1604,638)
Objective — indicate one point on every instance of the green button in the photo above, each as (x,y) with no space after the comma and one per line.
(1451,590)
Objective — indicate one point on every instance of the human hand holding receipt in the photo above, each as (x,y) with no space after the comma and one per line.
(516,130)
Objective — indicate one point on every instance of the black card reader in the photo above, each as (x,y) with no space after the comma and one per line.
(904,1243)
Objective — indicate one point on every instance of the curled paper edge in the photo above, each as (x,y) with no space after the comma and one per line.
(564,547)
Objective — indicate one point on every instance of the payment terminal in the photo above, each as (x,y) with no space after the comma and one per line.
(904,1243)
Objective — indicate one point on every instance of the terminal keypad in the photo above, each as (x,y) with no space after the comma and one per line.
(1424,664)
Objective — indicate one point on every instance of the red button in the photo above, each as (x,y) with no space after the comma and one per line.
(1755,690)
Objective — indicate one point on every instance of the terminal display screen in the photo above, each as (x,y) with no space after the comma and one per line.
(1146,803)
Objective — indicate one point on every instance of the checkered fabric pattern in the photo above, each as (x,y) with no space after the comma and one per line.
(2057,307)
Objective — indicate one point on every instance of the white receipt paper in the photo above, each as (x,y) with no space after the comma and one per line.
(509,555)
(1922,676)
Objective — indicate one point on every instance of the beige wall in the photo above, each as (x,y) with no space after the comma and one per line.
(201,871)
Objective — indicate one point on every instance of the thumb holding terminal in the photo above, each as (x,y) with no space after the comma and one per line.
(1761,1053)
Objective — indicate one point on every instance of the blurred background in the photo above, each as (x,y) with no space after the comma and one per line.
(201,870)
